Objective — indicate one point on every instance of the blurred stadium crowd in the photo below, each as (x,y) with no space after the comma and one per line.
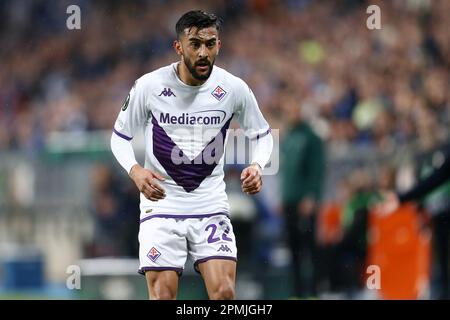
(377,90)
(380,88)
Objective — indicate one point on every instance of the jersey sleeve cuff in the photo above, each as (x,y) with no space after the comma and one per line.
(260,135)
(122,135)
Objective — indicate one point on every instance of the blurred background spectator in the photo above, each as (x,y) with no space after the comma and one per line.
(302,172)
(437,204)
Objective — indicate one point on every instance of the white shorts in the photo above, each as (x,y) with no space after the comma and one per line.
(165,243)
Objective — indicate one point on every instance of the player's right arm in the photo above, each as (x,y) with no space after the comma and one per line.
(145,181)
(132,116)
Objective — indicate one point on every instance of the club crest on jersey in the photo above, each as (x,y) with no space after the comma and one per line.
(153,254)
(167,92)
(218,93)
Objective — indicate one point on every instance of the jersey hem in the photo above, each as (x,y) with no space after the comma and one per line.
(183,216)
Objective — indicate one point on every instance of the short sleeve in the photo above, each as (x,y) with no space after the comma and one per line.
(132,115)
(248,114)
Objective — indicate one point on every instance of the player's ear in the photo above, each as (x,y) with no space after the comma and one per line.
(177,47)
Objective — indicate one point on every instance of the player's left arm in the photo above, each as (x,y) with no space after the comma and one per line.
(258,131)
(251,176)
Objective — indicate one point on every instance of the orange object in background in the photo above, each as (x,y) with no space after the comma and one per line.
(329,224)
(401,248)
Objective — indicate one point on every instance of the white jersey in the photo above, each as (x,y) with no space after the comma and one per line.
(185,133)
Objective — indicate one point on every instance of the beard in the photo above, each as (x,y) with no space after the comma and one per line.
(193,71)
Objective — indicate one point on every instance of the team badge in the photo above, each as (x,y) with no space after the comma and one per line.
(218,93)
(153,254)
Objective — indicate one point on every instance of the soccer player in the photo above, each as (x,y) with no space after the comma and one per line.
(185,110)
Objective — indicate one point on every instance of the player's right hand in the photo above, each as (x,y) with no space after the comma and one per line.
(145,181)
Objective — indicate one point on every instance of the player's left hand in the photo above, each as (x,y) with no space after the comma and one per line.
(251,178)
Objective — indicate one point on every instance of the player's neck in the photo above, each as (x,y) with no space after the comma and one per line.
(186,76)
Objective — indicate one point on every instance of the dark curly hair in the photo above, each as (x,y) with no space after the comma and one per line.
(199,19)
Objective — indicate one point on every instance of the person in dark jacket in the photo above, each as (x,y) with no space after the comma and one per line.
(302,177)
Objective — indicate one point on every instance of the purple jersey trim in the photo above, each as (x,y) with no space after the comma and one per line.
(259,136)
(184,216)
(145,269)
(122,135)
(212,258)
